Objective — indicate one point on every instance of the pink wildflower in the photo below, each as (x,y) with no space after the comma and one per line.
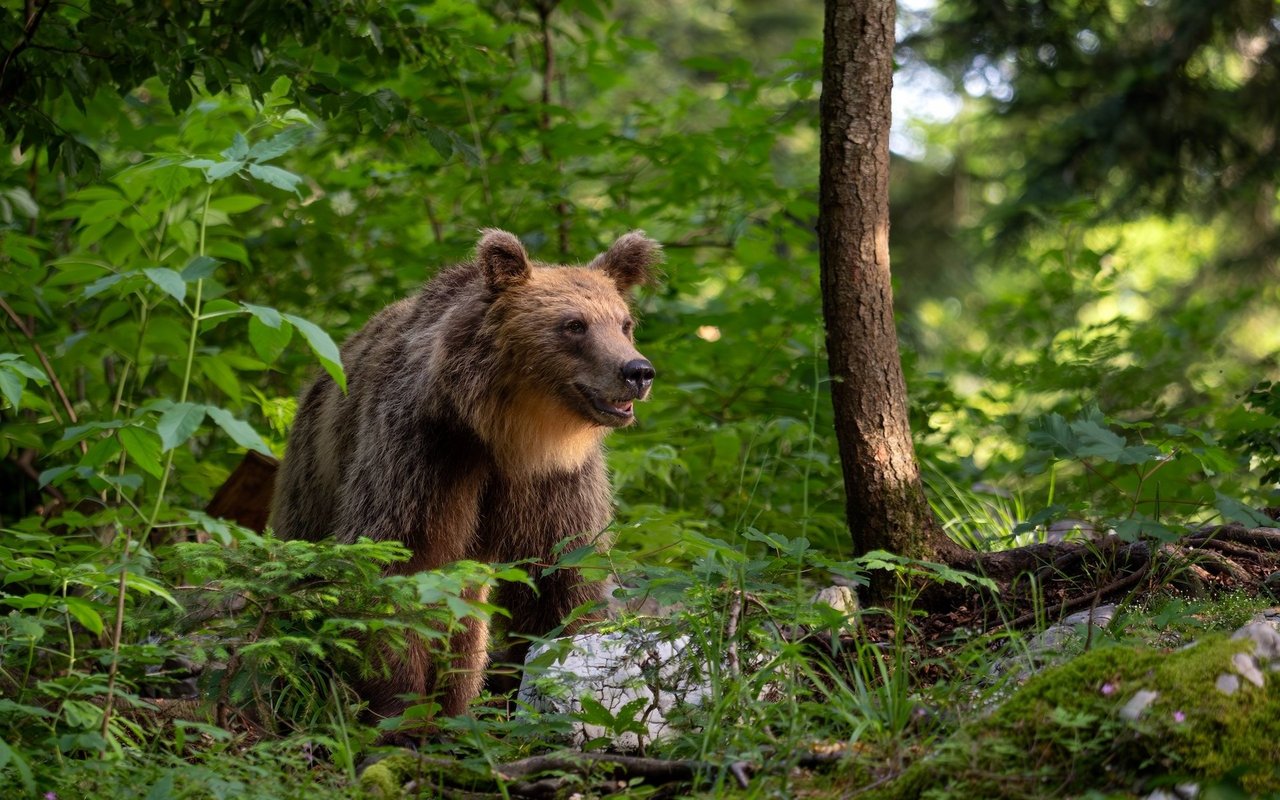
(1108,689)
(1179,717)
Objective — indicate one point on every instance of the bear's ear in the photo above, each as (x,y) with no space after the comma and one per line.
(630,261)
(502,259)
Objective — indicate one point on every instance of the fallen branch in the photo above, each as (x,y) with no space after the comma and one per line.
(549,775)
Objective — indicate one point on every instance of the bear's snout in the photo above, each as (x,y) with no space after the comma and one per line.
(638,374)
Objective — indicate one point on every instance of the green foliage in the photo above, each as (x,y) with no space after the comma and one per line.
(199,200)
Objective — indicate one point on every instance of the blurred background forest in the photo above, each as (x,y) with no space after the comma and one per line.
(197,200)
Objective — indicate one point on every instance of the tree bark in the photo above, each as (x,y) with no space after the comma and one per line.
(886,505)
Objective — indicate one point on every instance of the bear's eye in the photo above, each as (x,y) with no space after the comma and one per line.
(626,327)
(575,326)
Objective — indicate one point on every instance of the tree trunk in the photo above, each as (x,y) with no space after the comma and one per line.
(885,503)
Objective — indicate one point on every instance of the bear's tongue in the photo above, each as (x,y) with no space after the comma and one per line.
(622,408)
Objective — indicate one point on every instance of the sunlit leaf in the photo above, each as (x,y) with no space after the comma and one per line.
(143,448)
(241,432)
(323,347)
(85,614)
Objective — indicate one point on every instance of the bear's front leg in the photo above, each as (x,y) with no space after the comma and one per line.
(424,672)
(463,677)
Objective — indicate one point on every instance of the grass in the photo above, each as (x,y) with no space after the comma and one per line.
(281,661)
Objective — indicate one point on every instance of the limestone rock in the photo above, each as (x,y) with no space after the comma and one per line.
(1133,709)
(841,598)
(1227,683)
(653,675)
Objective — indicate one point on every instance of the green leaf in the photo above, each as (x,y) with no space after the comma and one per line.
(49,476)
(269,342)
(1236,511)
(279,178)
(198,163)
(85,614)
(279,144)
(241,432)
(1098,441)
(14,362)
(224,169)
(163,788)
(216,369)
(148,586)
(439,140)
(199,267)
(102,284)
(11,387)
(236,203)
(267,316)
(143,447)
(168,280)
(178,424)
(1054,435)
(10,756)
(323,347)
(239,149)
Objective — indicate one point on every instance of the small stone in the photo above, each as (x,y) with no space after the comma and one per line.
(1137,704)
(1248,669)
(1055,637)
(1100,616)
(1227,684)
(841,598)
(1266,639)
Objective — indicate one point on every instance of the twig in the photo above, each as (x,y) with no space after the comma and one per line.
(117,634)
(48,368)
(731,632)
(23,463)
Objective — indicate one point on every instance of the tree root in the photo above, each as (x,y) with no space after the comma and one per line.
(1078,575)
(1071,605)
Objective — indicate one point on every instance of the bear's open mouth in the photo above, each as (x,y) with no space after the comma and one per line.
(620,409)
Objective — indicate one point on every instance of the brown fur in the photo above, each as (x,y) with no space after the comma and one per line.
(473,429)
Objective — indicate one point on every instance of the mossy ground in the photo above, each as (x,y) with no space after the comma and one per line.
(1062,734)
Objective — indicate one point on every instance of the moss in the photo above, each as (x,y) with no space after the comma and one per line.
(1062,732)
(385,778)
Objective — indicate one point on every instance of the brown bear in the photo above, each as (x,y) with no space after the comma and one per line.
(472,429)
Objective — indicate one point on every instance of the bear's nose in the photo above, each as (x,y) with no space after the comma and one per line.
(638,373)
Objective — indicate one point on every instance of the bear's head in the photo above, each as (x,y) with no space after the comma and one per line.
(565,334)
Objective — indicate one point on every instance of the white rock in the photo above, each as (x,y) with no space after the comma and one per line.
(1266,639)
(1054,637)
(616,669)
(1227,683)
(1248,669)
(1138,703)
(841,598)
